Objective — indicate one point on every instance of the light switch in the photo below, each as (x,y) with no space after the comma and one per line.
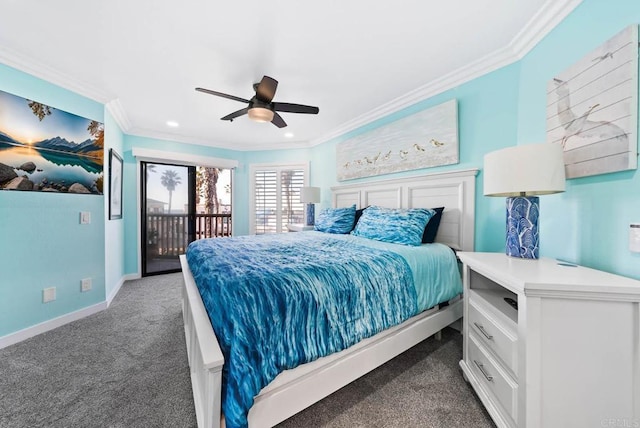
(48,294)
(634,237)
(85,217)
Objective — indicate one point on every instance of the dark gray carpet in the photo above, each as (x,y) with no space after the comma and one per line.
(127,367)
(423,387)
(123,367)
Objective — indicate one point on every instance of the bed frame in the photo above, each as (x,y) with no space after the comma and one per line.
(299,388)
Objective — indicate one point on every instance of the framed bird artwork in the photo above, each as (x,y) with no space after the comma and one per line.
(422,140)
(592,108)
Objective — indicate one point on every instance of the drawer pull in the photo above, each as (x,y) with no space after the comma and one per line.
(481,368)
(483,331)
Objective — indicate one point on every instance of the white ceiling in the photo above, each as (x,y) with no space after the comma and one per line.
(356,60)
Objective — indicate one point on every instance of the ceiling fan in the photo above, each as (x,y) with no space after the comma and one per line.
(260,107)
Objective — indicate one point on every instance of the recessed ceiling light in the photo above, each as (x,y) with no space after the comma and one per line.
(172,123)
(288,134)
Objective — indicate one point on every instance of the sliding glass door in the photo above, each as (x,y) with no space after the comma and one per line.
(168,215)
(179,205)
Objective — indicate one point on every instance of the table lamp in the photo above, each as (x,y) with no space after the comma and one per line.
(520,173)
(310,196)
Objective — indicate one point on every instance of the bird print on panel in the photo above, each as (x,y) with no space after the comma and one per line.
(579,125)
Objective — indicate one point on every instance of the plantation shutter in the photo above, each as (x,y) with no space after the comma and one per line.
(277,198)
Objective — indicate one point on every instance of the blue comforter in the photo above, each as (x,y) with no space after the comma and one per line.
(278,301)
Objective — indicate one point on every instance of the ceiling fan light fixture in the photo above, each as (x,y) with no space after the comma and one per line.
(261,107)
(260,114)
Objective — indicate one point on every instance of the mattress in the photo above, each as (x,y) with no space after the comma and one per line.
(436,277)
(278,301)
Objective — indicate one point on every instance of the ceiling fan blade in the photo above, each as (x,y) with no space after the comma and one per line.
(278,121)
(295,108)
(220,94)
(266,89)
(235,114)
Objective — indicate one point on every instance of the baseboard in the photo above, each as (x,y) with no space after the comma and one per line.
(114,292)
(29,332)
(19,336)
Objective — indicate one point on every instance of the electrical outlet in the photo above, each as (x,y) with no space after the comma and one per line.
(85,285)
(85,217)
(48,294)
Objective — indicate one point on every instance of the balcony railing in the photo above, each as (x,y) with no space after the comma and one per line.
(168,234)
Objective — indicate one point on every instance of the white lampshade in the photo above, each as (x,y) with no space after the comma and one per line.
(310,195)
(260,114)
(527,170)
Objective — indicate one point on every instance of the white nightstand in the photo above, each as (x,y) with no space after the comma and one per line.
(298,227)
(569,356)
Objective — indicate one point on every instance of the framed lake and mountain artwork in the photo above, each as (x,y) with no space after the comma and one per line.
(48,150)
(115,185)
(592,108)
(422,140)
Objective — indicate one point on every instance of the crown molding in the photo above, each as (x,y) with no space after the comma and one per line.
(541,24)
(167,136)
(42,71)
(114,107)
(545,20)
(473,70)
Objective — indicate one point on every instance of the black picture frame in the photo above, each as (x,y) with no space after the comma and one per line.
(115,185)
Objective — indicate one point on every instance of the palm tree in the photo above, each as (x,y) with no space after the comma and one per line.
(207,188)
(211,177)
(150,168)
(287,185)
(170,179)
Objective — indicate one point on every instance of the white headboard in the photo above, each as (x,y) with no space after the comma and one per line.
(455,191)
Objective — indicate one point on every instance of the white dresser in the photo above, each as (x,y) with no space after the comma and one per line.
(569,356)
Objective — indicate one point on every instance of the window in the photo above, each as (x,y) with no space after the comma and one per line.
(276,197)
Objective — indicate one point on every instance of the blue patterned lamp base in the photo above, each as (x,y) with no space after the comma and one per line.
(523,239)
(311,208)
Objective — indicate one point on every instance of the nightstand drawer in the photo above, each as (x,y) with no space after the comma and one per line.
(493,336)
(494,381)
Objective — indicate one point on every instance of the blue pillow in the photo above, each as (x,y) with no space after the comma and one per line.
(336,220)
(358,215)
(431,230)
(399,226)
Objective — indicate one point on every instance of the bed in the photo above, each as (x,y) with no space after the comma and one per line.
(298,388)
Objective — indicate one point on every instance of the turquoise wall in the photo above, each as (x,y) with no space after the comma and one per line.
(42,243)
(114,229)
(487,119)
(589,223)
